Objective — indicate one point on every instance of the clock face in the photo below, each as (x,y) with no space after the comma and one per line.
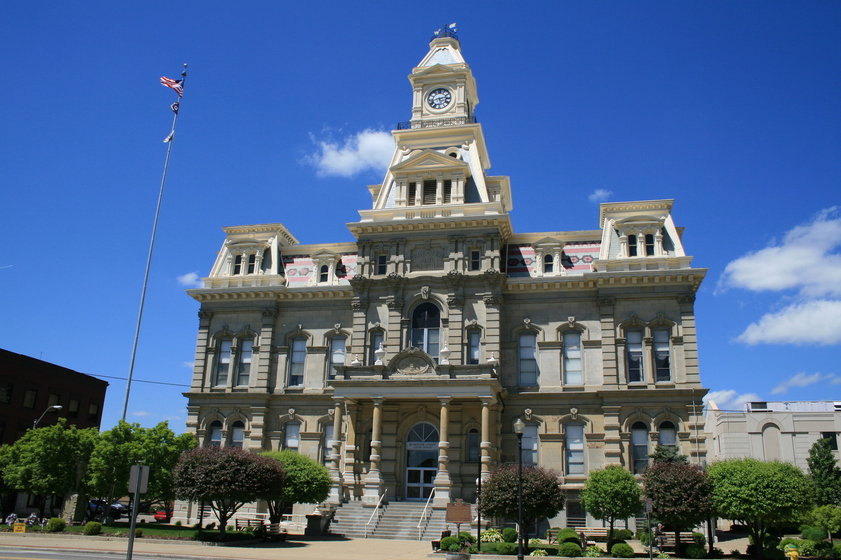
(439,98)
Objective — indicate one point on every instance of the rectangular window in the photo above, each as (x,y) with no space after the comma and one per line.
(382,264)
(573,373)
(662,363)
(252,260)
(293,433)
(5,392)
(429,188)
(237,435)
(632,245)
(473,341)
(297,361)
(376,339)
(237,265)
(73,408)
(29,398)
(215,437)
(649,245)
(473,451)
(634,356)
(93,412)
(327,449)
(530,445)
(337,355)
(475,260)
(223,362)
(833,439)
(574,449)
(448,190)
(412,194)
(246,352)
(639,447)
(53,399)
(528,359)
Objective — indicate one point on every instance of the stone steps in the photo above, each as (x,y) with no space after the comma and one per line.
(398,520)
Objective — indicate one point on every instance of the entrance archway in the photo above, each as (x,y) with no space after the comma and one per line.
(421,461)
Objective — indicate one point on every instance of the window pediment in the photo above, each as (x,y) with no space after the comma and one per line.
(427,161)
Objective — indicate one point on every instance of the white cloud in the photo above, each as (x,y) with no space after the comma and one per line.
(141,413)
(728,399)
(802,380)
(191,280)
(807,260)
(810,322)
(189,365)
(599,195)
(363,151)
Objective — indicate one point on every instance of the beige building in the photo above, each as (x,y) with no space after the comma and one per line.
(773,430)
(403,358)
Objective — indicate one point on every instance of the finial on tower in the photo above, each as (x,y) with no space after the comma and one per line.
(446,31)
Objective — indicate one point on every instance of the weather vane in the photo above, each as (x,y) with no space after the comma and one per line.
(446,31)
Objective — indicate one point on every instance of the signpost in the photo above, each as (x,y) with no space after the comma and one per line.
(649,507)
(138,483)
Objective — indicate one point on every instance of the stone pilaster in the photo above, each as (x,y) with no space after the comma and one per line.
(442,478)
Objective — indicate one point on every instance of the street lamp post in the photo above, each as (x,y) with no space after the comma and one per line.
(55,407)
(519,428)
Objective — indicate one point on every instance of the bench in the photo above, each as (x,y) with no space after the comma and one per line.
(588,532)
(667,540)
(274,531)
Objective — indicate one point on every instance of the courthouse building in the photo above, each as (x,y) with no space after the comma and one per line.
(402,359)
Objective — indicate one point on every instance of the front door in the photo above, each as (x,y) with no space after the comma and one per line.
(421,461)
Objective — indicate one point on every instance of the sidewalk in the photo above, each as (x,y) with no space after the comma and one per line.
(293,549)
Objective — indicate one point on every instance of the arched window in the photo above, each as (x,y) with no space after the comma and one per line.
(474,337)
(336,356)
(252,260)
(426,320)
(574,443)
(237,434)
(473,452)
(639,446)
(323,273)
(223,362)
(548,264)
(649,245)
(292,431)
(632,245)
(214,437)
(573,371)
(237,265)
(668,434)
(528,359)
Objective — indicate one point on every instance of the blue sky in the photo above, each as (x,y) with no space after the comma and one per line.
(731,108)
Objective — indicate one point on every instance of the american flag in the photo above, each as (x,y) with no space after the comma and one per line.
(173,84)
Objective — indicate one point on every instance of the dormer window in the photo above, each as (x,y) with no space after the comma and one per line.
(382,263)
(632,245)
(448,191)
(252,260)
(237,265)
(323,273)
(548,264)
(412,194)
(649,245)
(475,260)
(429,188)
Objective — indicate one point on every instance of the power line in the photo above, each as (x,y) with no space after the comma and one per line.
(141,380)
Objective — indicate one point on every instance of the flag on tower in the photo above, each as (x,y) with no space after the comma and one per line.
(173,84)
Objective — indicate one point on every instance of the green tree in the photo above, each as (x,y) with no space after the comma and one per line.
(680,494)
(130,444)
(611,494)
(307,482)
(47,461)
(226,478)
(824,473)
(827,517)
(542,494)
(668,454)
(759,494)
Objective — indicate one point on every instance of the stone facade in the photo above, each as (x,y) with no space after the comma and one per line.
(402,359)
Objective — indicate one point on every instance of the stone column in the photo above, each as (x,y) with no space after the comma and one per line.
(374,480)
(337,486)
(485,445)
(350,475)
(442,479)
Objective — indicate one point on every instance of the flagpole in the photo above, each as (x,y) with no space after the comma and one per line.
(169,141)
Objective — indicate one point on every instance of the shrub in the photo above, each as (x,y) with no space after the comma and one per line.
(447,542)
(569,549)
(138,533)
(795,542)
(696,551)
(837,550)
(539,552)
(644,537)
(178,523)
(699,539)
(533,543)
(491,535)
(812,533)
(622,550)
(623,534)
(92,528)
(593,552)
(465,536)
(506,548)
(509,535)
(56,525)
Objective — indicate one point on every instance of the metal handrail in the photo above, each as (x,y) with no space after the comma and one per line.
(376,509)
(425,515)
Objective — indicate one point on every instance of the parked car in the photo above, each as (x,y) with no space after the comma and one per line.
(162,516)
(96,508)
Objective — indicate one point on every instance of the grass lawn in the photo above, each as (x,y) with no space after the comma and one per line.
(149,530)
